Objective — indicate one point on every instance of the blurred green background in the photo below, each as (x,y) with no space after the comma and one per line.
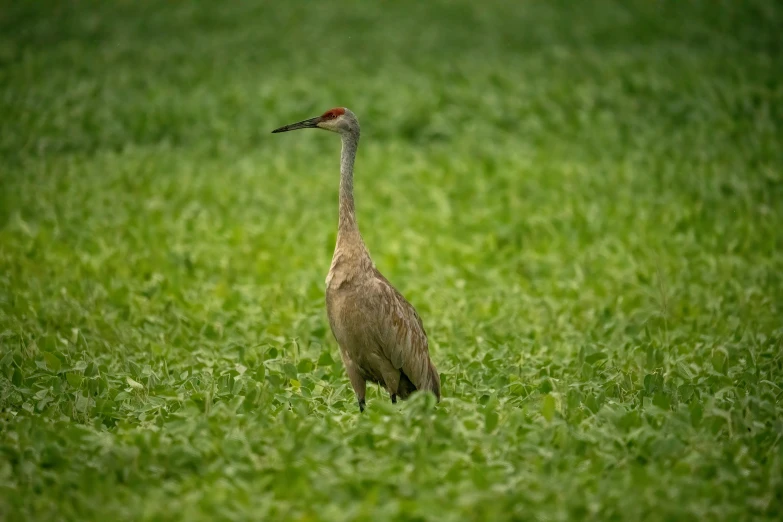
(583,200)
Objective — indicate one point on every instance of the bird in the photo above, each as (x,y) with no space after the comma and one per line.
(381,336)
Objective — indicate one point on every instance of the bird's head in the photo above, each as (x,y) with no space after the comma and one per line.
(339,119)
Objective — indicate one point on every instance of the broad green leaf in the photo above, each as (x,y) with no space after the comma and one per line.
(686,392)
(490,419)
(325,359)
(7,358)
(305,366)
(52,361)
(719,361)
(134,384)
(74,379)
(548,407)
(290,371)
(662,400)
(594,357)
(82,403)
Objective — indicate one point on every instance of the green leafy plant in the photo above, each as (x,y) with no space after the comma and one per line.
(584,202)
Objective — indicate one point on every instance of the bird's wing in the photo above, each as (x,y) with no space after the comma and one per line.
(401,336)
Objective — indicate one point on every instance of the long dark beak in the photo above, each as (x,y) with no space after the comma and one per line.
(306,124)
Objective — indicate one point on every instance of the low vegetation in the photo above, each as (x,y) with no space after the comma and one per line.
(584,201)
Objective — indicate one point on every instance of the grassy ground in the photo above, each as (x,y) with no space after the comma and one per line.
(583,200)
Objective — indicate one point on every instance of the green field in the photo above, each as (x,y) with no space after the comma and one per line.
(583,200)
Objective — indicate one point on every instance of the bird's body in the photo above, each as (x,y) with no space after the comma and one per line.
(381,337)
(380,334)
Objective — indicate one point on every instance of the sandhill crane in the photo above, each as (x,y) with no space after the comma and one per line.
(381,337)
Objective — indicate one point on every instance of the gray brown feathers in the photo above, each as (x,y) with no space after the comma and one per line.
(381,336)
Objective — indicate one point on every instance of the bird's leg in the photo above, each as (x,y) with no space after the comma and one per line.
(391,378)
(357,381)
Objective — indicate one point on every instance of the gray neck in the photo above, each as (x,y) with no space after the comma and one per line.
(347,223)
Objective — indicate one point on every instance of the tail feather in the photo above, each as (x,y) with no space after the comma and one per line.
(434,382)
(406,387)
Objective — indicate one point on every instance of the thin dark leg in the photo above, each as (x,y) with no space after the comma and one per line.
(361,405)
(394,398)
